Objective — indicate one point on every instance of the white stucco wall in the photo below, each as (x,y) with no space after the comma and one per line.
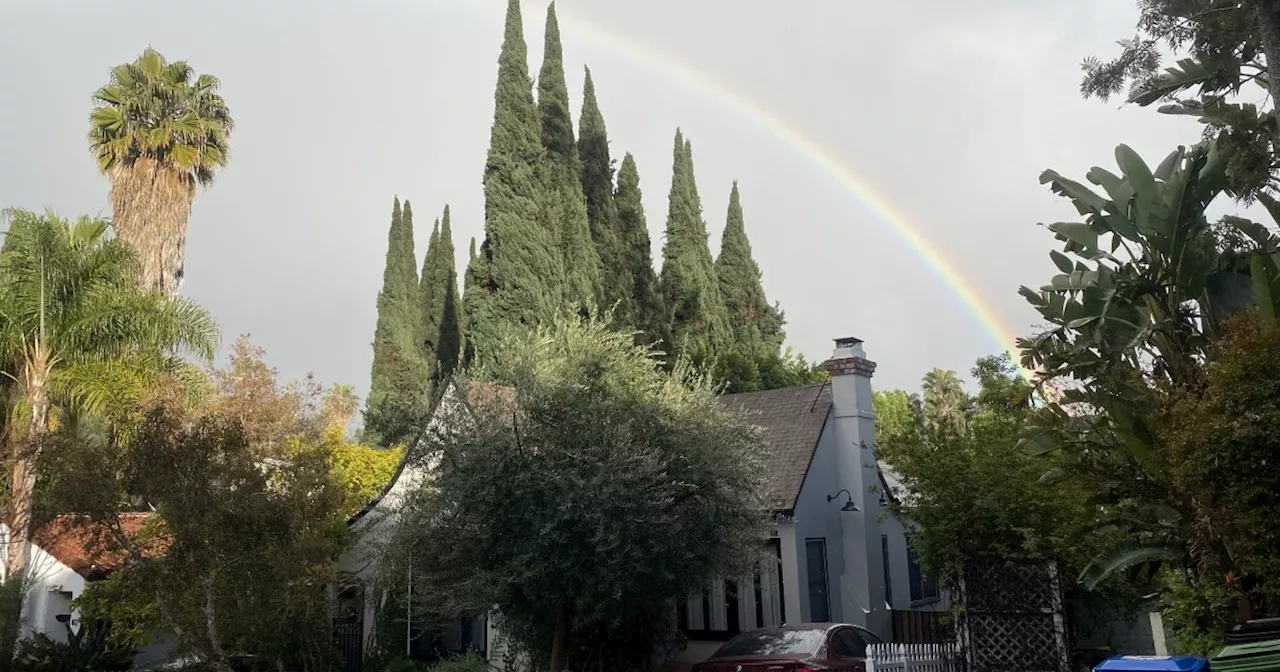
(53,586)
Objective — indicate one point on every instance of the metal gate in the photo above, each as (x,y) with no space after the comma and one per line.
(349,640)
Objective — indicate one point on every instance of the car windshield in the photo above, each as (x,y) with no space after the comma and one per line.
(773,642)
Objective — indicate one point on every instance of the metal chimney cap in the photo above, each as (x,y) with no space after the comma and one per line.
(848,342)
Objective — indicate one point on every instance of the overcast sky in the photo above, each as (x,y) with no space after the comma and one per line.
(950,109)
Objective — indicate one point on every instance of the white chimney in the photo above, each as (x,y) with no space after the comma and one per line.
(862,599)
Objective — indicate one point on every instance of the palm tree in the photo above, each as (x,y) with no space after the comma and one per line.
(158,130)
(946,405)
(77,335)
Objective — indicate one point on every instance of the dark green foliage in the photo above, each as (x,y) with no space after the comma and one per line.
(636,258)
(449,343)
(87,649)
(592,424)
(515,279)
(618,281)
(1225,48)
(690,289)
(441,308)
(1222,441)
(974,492)
(247,545)
(564,205)
(430,291)
(469,279)
(735,371)
(401,375)
(756,325)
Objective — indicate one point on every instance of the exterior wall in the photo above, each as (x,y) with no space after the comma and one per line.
(862,591)
(816,518)
(899,571)
(791,587)
(53,586)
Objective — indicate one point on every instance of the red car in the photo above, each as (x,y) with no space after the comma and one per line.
(811,647)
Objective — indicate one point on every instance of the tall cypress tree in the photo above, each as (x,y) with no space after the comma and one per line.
(690,290)
(756,325)
(400,376)
(429,296)
(564,204)
(617,282)
(515,279)
(449,347)
(644,292)
(470,278)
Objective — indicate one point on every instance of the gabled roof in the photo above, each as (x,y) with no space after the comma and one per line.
(478,392)
(74,542)
(791,420)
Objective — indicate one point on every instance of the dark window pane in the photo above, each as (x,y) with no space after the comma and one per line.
(816,557)
(773,642)
(917,578)
(846,643)
(888,578)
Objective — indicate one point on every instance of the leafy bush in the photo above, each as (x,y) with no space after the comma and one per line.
(469,662)
(89,648)
(1197,616)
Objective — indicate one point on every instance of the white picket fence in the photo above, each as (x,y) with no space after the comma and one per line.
(913,658)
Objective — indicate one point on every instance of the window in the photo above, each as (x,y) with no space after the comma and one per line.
(923,588)
(772,642)
(888,577)
(816,558)
(846,643)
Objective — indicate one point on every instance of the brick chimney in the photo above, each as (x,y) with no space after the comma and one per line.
(862,598)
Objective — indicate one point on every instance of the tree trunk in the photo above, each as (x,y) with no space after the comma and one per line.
(150,207)
(1268,16)
(24,457)
(559,642)
(219,656)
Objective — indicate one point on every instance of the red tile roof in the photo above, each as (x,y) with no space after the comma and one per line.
(79,543)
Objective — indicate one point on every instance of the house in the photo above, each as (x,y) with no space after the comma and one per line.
(63,558)
(832,551)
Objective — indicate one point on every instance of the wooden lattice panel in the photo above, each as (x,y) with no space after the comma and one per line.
(1013,617)
(1009,587)
(1013,643)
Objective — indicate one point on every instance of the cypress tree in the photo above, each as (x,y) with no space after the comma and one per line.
(617,281)
(400,377)
(468,283)
(428,296)
(515,279)
(756,325)
(636,258)
(690,291)
(449,332)
(564,205)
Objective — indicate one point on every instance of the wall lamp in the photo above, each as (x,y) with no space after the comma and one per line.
(848,505)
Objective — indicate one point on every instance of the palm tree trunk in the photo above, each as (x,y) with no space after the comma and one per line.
(150,204)
(24,457)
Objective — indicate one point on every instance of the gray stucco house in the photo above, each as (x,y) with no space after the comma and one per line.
(833,551)
(840,556)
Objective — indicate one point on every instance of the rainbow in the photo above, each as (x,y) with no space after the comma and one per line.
(806,147)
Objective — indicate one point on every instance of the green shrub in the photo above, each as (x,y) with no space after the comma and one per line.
(87,649)
(470,662)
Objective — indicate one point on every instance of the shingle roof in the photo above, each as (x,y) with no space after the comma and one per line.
(791,420)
